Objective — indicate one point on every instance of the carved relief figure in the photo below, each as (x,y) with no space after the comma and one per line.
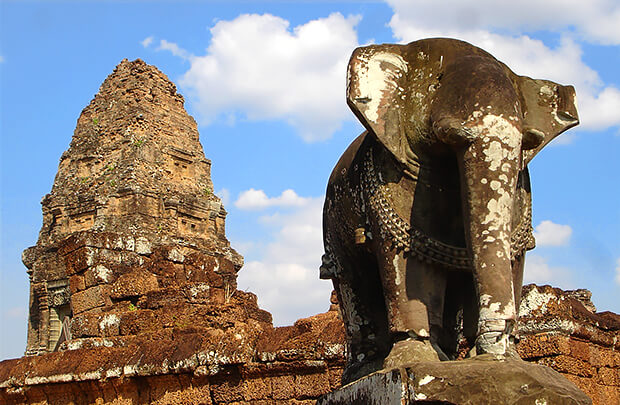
(427,214)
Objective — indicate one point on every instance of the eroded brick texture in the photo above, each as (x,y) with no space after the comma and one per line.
(560,329)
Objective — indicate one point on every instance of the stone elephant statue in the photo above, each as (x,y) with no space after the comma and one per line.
(427,214)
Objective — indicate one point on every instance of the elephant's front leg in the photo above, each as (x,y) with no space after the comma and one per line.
(414,295)
(489,168)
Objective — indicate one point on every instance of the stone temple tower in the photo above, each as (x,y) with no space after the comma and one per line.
(131,212)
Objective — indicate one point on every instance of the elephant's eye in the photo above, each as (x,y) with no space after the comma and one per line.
(363,100)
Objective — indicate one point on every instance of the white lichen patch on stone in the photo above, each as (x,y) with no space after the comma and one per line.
(102,273)
(355,320)
(395,263)
(74,344)
(114,372)
(130,243)
(425,380)
(109,321)
(335,349)
(176,256)
(90,256)
(198,288)
(535,300)
(143,246)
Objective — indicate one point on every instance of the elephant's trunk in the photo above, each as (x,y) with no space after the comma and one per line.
(489,169)
(477,111)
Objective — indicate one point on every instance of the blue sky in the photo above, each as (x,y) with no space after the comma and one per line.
(265,80)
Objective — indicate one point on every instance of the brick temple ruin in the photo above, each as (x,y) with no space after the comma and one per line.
(133,295)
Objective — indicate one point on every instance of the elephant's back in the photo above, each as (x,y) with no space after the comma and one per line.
(346,160)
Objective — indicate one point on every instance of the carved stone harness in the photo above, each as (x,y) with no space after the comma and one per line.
(393,227)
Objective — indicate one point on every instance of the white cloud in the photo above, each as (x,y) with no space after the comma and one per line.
(259,68)
(147,41)
(537,270)
(548,233)
(475,22)
(175,49)
(285,276)
(257,200)
(618,272)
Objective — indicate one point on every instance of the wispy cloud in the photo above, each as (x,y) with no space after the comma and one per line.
(175,49)
(147,41)
(15,313)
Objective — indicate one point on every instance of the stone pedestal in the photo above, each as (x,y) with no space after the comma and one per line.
(474,381)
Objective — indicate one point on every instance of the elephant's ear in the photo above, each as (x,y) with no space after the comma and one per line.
(548,110)
(376,96)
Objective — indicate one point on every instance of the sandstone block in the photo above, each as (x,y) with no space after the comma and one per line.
(543,345)
(90,298)
(605,394)
(311,385)
(78,260)
(256,389)
(138,321)
(570,365)
(76,283)
(608,376)
(85,325)
(226,389)
(283,386)
(136,283)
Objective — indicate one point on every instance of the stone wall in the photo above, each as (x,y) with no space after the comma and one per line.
(288,365)
(561,330)
(294,364)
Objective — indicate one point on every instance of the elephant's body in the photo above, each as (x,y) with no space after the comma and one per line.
(428,214)
(420,215)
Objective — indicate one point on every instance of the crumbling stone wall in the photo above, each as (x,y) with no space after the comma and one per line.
(294,364)
(289,365)
(561,330)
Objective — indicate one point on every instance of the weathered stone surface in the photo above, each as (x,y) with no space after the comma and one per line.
(131,215)
(469,382)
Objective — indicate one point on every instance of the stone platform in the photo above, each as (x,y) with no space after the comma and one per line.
(468,382)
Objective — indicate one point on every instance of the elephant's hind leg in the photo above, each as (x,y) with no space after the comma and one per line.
(414,295)
(364,315)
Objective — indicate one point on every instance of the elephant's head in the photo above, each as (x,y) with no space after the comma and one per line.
(426,90)
(447,96)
